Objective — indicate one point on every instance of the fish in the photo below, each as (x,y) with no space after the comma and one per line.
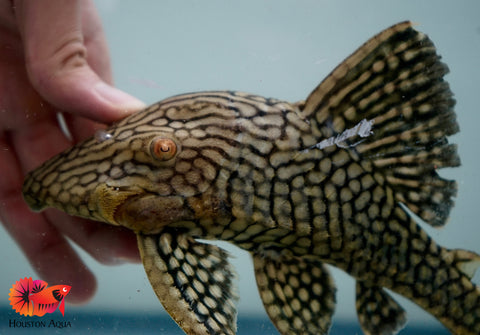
(345,178)
(32,297)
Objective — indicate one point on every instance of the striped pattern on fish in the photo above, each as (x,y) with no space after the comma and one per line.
(340,179)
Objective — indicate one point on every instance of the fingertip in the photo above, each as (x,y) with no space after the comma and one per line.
(84,286)
(83,93)
(49,253)
(107,244)
(121,102)
(69,65)
(69,271)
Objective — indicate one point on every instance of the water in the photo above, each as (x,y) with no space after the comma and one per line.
(130,323)
(281,49)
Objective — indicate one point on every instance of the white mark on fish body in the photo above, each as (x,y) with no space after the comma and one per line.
(362,129)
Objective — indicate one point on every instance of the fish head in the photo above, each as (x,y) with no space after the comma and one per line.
(44,296)
(150,170)
(64,290)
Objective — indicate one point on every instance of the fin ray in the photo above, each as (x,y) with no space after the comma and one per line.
(395,80)
(192,280)
(466,261)
(378,313)
(62,307)
(298,293)
(19,297)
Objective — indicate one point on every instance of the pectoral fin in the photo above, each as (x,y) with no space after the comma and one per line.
(378,312)
(298,293)
(62,307)
(192,280)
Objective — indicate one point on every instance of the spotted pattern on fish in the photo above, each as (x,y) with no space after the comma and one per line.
(340,179)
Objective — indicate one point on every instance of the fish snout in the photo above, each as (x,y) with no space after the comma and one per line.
(33,194)
(53,189)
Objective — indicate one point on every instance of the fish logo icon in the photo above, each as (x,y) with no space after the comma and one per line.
(32,297)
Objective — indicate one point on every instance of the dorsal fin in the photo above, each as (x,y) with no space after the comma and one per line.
(394,85)
(333,96)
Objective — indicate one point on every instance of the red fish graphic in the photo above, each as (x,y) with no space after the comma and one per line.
(32,297)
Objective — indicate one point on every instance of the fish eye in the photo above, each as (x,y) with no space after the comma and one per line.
(64,289)
(163,148)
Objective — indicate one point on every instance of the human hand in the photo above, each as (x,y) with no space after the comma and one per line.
(53,57)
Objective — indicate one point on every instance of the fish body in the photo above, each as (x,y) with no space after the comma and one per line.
(32,297)
(47,300)
(333,180)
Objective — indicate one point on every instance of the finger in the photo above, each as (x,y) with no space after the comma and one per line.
(7,19)
(98,55)
(35,143)
(107,244)
(41,242)
(49,253)
(56,59)
(81,128)
(20,103)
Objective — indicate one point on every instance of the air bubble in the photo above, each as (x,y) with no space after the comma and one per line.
(101,136)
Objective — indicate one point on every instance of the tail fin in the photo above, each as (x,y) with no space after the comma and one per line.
(19,297)
(435,278)
(20,292)
(455,300)
(466,261)
(395,82)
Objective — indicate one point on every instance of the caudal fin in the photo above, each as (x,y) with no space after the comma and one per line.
(389,104)
(20,292)
(454,299)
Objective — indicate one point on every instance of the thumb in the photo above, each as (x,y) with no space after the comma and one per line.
(58,64)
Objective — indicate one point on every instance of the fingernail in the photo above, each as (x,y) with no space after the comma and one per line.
(118,98)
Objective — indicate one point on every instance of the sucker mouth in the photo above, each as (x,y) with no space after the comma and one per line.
(105,200)
(149,213)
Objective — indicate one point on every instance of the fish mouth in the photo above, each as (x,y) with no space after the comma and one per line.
(137,209)
(150,213)
(98,202)
(105,200)
(130,206)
